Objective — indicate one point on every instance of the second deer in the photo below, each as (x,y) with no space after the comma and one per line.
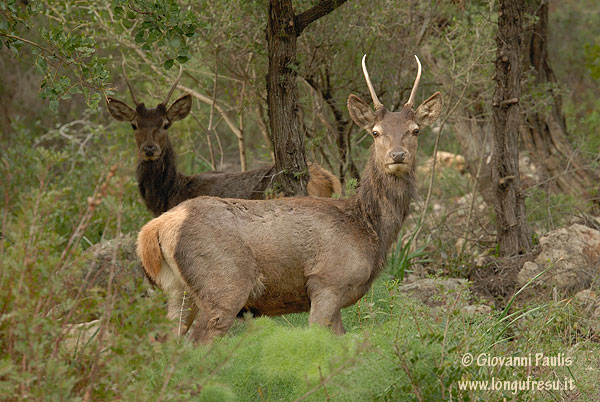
(293,254)
(162,187)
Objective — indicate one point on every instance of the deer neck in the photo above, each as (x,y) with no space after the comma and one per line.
(157,180)
(383,200)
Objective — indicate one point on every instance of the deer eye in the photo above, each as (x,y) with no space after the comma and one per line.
(375,134)
(166,125)
(415,131)
(134,126)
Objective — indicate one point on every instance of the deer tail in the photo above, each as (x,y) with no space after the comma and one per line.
(322,182)
(148,249)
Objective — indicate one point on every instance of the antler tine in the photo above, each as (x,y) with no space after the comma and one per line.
(376,102)
(128,84)
(411,100)
(174,86)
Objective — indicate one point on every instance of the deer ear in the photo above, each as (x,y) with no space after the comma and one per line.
(430,110)
(119,110)
(361,112)
(180,108)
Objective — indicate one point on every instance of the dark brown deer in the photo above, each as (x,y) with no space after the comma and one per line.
(296,254)
(162,186)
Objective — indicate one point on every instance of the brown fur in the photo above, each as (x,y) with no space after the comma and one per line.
(322,183)
(162,187)
(149,250)
(295,254)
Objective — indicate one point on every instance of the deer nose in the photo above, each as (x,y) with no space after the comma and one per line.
(397,156)
(150,150)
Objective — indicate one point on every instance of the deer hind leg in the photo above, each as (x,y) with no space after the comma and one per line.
(325,310)
(181,308)
(220,273)
(219,297)
(217,311)
(211,321)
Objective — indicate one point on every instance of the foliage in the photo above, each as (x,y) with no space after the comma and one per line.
(402,256)
(68,183)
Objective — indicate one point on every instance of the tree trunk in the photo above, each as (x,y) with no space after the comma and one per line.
(282,99)
(545,133)
(512,230)
(283,29)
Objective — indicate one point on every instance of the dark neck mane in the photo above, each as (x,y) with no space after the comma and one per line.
(383,201)
(157,180)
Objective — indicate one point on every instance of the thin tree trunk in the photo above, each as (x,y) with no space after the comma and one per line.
(545,134)
(282,99)
(512,230)
(283,29)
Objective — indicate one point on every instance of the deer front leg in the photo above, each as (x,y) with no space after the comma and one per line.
(325,311)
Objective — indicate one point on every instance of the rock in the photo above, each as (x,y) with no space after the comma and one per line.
(573,257)
(446,160)
(79,335)
(463,205)
(436,292)
(587,297)
(529,270)
(473,309)
(528,172)
(127,267)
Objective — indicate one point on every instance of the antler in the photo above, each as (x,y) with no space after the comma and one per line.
(411,100)
(376,102)
(128,84)
(174,86)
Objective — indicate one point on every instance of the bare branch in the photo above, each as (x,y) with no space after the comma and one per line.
(314,13)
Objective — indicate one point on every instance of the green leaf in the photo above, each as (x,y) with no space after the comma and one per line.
(41,65)
(139,37)
(168,64)
(53,105)
(182,59)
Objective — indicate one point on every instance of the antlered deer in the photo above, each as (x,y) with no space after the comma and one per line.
(162,186)
(296,254)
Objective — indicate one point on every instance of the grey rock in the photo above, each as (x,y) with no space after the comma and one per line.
(572,256)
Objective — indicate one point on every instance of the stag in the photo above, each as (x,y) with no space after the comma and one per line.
(162,187)
(296,254)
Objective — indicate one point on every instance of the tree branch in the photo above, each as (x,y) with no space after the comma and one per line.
(314,13)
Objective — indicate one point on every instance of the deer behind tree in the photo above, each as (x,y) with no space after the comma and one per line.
(162,186)
(292,254)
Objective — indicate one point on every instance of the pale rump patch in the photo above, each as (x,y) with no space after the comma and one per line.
(157,241)
(166,278)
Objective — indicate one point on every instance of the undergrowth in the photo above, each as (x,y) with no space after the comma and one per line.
(57,201)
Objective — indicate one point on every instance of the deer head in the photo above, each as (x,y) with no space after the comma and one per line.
(394,133)
(150,125)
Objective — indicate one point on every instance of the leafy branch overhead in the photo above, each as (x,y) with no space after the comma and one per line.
(67,52)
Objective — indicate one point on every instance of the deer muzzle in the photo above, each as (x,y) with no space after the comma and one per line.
(150,152)
(397,162)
